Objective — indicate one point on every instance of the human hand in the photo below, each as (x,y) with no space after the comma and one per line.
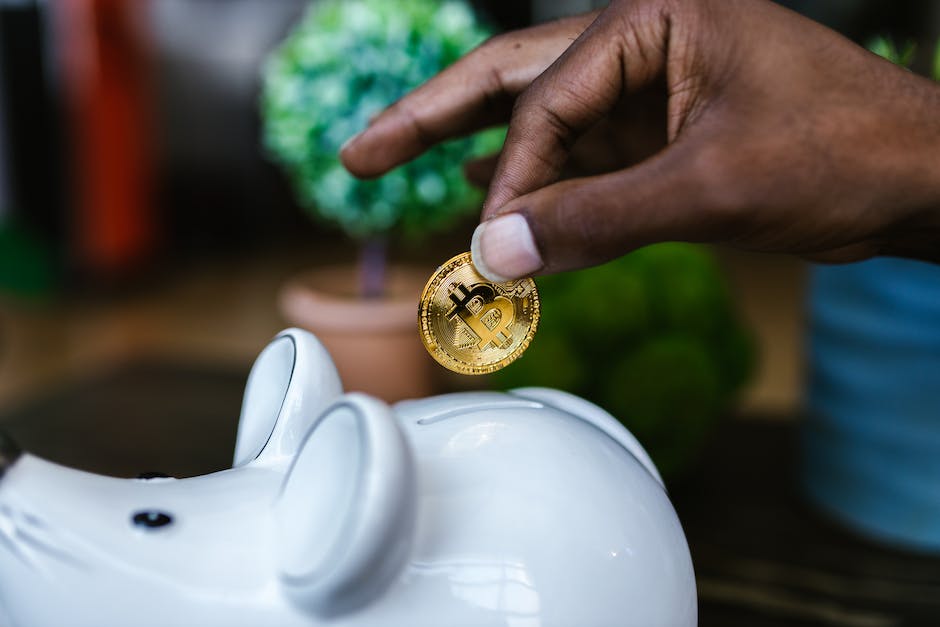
(780,136)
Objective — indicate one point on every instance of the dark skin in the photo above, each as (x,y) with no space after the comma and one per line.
(775,134)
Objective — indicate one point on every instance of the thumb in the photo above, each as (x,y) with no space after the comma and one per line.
(610,58)
(584,222)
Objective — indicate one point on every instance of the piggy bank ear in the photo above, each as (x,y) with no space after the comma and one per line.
(345,515)
(291,382)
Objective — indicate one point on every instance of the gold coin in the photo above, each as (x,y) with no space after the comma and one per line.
(474,326)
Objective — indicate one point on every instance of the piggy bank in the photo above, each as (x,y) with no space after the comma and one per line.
(532,508)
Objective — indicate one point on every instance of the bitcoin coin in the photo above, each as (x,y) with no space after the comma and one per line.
(474,326)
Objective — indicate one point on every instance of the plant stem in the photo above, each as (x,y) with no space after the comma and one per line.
(372,267)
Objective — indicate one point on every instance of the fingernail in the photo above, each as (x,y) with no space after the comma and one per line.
(503,249)
(349,141)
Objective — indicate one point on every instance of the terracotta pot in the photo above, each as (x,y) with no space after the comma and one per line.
(374,343)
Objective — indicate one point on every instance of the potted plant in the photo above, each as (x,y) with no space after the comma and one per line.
(652,337)
(343,63)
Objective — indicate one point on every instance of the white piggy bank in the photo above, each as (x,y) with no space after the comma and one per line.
(533,508)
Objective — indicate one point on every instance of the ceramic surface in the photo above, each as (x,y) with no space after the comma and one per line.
(527,509)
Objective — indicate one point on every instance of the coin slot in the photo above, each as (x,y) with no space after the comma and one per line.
(463,411)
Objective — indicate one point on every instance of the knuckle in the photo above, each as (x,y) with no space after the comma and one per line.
(493,85)
(540,135)
(487,54)
(557,124)
(552,109)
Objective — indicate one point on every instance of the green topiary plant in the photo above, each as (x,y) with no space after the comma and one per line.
(344,62)
(652,337)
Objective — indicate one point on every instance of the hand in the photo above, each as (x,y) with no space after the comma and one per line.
(779,135)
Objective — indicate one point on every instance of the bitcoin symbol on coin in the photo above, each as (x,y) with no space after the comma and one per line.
(471,325)
(489,316)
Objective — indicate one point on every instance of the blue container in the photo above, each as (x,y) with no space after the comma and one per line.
(872,439)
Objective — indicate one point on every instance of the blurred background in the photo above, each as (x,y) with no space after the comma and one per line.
(145,238)
(138,212)
(137,209)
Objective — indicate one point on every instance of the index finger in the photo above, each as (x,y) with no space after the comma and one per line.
(475,92)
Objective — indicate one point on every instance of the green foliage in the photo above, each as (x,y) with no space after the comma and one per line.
(342,64)
(651,337)
(936,63)
(886,48)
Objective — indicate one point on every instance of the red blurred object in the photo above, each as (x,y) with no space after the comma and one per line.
(107,74)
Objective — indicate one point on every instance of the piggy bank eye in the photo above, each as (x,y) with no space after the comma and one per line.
(151,519)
